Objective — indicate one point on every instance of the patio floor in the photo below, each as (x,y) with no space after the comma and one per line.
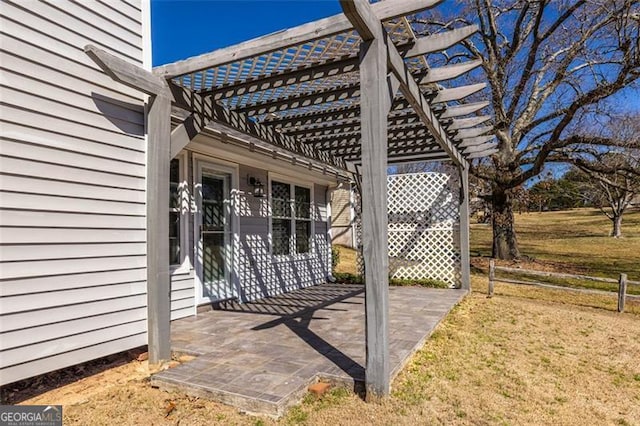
(262,356)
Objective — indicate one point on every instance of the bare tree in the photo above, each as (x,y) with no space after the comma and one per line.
(550,67)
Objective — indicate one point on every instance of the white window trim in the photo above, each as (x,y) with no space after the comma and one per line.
(184,266)
(294,181)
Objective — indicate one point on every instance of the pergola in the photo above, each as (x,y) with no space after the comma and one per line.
(352,93)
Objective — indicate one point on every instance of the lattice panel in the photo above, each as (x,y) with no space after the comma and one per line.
(424,227)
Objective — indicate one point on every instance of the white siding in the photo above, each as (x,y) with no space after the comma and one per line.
(72,187)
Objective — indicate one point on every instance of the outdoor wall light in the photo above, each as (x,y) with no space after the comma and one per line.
(258,187)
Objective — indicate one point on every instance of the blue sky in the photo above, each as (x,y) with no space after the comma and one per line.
(185,28)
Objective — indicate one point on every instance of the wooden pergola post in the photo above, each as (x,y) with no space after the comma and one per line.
(158,127)
(374,106)
(158,279)
(465,267)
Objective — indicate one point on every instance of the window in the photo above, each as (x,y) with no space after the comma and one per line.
(291,218)
(174,213)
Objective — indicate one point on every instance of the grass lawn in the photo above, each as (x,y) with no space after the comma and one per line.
(573,241)
(526,356)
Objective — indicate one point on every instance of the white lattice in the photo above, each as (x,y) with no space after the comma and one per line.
(423,227)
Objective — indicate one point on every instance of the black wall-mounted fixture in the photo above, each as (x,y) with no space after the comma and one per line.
(258,187)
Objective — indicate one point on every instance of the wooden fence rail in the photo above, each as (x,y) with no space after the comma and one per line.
(623,282)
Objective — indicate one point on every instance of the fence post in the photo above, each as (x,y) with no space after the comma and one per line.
(622,292)
(492,276)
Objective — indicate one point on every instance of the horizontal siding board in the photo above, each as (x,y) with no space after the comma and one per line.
(74,281)
(53,23)
(48,170)
(30,185)
(29,336)
(182,303)
(73,64)
(66,344)
(36,136)
(21,371)
(131,5)
(182,313)
(56,125)
(69,251)
(20,303)
(115,17)
(181,284)
(87,101)
(90,118)
(38,268)
(88,22)
(37,152)
(21,64)
(185,293)
(32,218)
(16,200)
(66,235)
(64,313)
(123,10)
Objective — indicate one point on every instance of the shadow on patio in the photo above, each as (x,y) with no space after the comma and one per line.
(261,356)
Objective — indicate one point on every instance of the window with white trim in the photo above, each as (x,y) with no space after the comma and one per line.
(175,256)
(290,218)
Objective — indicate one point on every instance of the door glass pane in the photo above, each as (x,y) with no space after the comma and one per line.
(213,203)
(281,231)
(213,264)
(303,236)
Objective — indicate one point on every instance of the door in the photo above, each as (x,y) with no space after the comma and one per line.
(214,233)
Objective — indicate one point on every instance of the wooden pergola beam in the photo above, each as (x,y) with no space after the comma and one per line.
(482,154)
(440,41)
(322,28)
(449,72)
(475,141)
(474,149)
(472,132)
(457,93)
(464,123)
(303,74)
(464,109)
(206,107)
(301,100)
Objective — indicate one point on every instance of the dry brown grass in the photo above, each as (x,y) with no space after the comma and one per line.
(573,241)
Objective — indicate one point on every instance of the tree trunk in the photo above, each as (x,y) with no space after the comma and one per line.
(616,232)
(505,244)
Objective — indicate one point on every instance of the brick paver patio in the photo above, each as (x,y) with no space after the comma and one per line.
(262,356)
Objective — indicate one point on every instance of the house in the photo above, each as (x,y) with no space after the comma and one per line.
(132,196)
